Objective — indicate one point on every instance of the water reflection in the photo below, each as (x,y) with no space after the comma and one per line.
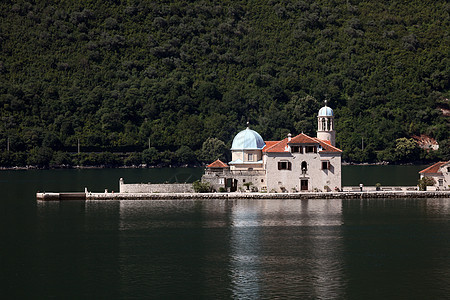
(249,249)
(286,248)
(398,244)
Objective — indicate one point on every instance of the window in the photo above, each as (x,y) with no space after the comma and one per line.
(441,182)
(262,180)
(325,165)
(284,165)
(243,180)
(221,181)
(250,157)
(311,149)
(296,149)
(304,167)
(448,169)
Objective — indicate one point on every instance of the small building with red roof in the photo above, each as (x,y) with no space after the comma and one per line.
(440,172)
(299,163)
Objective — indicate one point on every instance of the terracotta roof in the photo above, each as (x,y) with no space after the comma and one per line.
(434,169)
(327,147)
(302,138)
(269,144)
(277,147)
(217,164)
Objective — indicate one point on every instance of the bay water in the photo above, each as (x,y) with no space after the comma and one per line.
(197,249)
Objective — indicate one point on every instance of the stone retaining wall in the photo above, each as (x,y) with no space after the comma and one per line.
(225,196)
(155,188)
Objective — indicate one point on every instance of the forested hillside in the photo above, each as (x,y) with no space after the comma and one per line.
(185,76)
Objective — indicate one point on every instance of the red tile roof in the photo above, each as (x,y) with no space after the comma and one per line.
(269,144)
(217,164)
(327,147)
(300,139)
(277,147)
(434,169)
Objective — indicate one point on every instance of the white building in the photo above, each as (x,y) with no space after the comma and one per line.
(440,172)
(299,163)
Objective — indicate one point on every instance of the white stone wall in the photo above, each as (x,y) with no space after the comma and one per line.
(217,180)
(155,188)
(256,155)
(289,180)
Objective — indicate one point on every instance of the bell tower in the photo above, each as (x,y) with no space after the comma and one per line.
(325,125)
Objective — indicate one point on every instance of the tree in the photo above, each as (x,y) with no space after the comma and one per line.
(40,157)
(424,182)
(444,149)
(150,156)
(213,149)
(134,159)
(61,158)
(201,187)
(185,155)
(406,149)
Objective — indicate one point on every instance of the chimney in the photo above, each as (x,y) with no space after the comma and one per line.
(289,137)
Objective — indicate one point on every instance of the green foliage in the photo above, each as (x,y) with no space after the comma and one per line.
(115,75)
(134,159)
(201,187)
(213,149)
(406,149)
(101,159)
(150,156)
(424,182)
(40,156)
(184,154)
(444,149)
(61,158)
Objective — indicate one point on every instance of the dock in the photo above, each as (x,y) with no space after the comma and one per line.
(107,196)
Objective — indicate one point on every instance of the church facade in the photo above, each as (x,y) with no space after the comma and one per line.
(294,164)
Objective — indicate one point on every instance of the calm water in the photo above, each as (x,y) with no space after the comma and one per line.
(309,249)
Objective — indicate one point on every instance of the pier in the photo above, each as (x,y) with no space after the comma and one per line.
(106,196)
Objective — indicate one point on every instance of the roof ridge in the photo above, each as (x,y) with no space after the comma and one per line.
(276,143)
(329,145)
(435,165)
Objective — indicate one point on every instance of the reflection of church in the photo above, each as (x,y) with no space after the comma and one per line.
(299,163)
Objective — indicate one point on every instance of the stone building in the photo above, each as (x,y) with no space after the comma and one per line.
(299,163)
(440,172)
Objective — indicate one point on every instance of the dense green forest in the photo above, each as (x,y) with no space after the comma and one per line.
(172,82)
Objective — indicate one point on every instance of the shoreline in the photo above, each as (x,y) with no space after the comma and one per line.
(199,165)
(89,196)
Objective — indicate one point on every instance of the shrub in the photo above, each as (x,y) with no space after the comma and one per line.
(201,187)
(424,182)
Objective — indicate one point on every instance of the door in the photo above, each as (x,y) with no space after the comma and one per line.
(304,184)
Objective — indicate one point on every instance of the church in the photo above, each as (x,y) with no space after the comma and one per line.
(294,164)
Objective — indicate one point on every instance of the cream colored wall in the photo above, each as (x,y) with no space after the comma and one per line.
(235,155)
(245,167)
(257,155)
(243,155)
(290,179)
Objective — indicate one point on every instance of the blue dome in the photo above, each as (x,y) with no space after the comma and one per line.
(247,140)
(325,112)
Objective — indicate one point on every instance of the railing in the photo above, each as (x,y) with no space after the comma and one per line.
(237,172)
(381,188)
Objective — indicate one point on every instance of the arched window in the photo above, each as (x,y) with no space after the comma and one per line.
(304,167)
(323,124)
